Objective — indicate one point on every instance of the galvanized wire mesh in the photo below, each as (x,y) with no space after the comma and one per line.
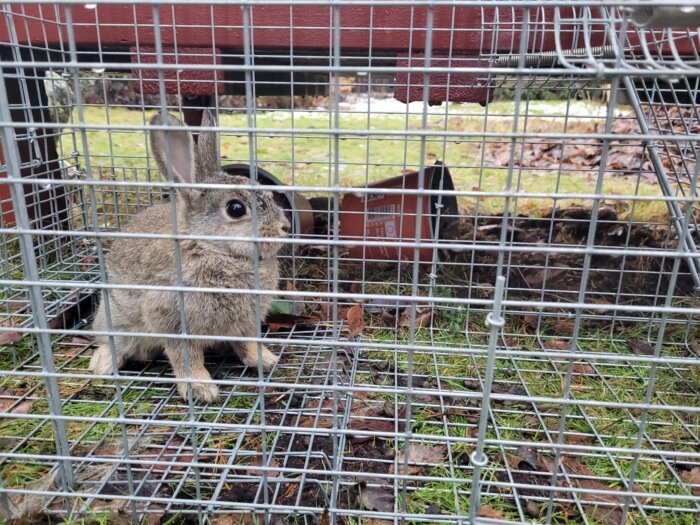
(519,343)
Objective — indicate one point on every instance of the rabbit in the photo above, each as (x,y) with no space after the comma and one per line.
(204,263)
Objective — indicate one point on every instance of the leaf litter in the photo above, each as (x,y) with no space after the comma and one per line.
(530,467)
(624,157)
(9,402)
(420,458)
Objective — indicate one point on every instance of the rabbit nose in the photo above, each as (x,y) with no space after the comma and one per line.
(286,227)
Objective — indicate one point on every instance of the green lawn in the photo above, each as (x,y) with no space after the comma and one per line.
(308,158)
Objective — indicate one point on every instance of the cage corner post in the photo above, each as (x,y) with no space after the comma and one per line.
(14,155)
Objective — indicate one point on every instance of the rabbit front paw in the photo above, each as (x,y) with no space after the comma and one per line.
(204,392)
(249,356)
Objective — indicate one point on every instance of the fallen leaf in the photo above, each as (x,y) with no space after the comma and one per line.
(583,369)
(10,338)
(420,458)
(424,318)
(76,352)
(692,477)
(579,439)
(563,327)
(279,322)
(536,277)
(78,340)
(490,512)
(531,320)
(232,519)
(155,515)
(605,508)
(371,425)
(355,320)
(172,453)
(272,467)
(8,398)
(513,461)
(555,344)
(377,499)
(641,347)
(86,262)
(387,319)
(17,303)
(326,312)
(325,518)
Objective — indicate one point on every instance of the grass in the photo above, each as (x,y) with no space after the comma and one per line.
(308,157)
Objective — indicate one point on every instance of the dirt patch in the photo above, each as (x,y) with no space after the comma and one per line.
(637,277)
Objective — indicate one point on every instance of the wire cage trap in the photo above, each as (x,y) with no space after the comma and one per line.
(486,304)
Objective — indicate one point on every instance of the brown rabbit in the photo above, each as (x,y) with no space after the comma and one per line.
(205,264)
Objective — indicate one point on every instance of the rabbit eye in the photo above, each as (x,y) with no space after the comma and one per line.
(235,209)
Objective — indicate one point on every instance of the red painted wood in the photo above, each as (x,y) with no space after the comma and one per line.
(460,29)
(453,87)
(214,31)
(8,216)
(190,82)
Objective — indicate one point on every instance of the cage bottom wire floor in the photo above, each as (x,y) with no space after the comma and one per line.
(328,428)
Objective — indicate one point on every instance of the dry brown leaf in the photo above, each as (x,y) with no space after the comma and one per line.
(604,508)
(490,512)
(155,515)
(555,344)
(641,347)
(583,369)
(16,303)
(232,519)
(387,319)
(536,277)
(579,439)
(424,318)
(272,467)
(79,340)
(325,518)
(513,461)
(531,320)
(563,327)
(278,322)
(371,425)
(324,418)
(692,477)
(377,499)
(10,338)
(172,453)
(8,398)
(420,458)
(75,352)
(355,320)
(325,313)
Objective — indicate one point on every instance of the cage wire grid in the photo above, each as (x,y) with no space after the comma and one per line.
(528,352)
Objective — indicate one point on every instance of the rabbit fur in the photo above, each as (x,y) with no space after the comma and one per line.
(204,263)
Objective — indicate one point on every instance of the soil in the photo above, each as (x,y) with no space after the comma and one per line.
(636,277)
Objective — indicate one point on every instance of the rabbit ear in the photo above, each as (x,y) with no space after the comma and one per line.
(179,154)
(208,147)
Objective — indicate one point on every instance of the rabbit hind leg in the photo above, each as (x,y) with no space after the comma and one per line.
(126,348)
